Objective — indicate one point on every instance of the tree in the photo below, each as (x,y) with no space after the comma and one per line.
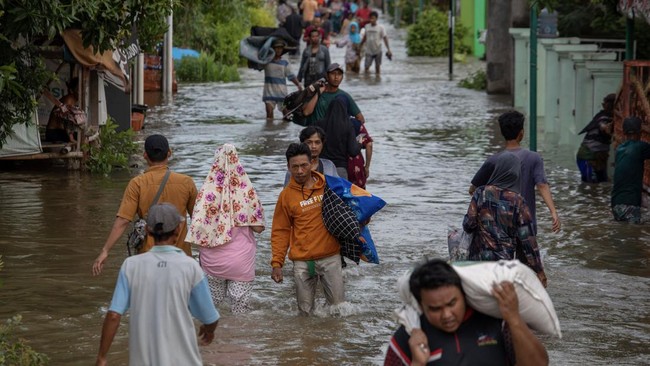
(24,24)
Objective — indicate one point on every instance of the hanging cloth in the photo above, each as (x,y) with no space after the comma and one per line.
(226,199)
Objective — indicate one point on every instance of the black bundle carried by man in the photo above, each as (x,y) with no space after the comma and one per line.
(294,102)
(257,48)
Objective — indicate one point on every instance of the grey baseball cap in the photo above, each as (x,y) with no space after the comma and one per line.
(334,67)
(163,218)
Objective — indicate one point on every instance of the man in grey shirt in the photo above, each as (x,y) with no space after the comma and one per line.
(532,168)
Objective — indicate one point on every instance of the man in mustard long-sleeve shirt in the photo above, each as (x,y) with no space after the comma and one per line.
(298,228)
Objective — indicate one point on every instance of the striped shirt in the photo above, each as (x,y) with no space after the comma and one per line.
(275,85)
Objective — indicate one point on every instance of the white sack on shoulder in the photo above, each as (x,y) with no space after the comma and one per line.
(535,305)
(409,313)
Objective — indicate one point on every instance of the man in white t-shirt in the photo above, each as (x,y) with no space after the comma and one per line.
(163,288)
(372,38)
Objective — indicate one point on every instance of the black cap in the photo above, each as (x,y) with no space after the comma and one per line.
(334,67)
(632,125)
(156,147)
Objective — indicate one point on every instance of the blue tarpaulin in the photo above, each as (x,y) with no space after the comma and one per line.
(179,53)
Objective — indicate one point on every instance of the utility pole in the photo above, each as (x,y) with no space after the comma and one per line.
(452,20)
(532,76)
(629,39)
(168,63)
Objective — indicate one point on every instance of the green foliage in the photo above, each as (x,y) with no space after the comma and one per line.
(408,10)
(476,80)
(104,23)
(25,24)
(113,150)
(595,19)
(34,18)
(429,35)
(600,19)
(642,37)
(8,78)
(22,76)
(261,17)
(217,26)
(204,69)
(15,351)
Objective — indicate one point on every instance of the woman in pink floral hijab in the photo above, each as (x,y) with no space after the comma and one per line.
(226,213)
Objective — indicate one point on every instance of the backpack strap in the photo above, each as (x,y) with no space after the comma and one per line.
(160,190)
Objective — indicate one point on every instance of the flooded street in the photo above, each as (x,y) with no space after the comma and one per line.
(430,137)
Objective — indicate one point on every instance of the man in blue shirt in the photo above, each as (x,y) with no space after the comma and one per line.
(163,289)
(628,173)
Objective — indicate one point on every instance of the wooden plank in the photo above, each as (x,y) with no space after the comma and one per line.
(42,156)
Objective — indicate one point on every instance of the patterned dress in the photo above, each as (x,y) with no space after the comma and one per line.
(357,164)
(502,227)
(226,209)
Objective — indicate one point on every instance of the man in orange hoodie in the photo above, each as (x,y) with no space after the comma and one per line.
(298,228)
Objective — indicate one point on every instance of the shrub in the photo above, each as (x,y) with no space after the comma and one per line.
(429,35)
(476,80)
(261,17)
(113,150)
(217,28)
(204,68)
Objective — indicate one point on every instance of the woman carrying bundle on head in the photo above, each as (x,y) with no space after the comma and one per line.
(226,214)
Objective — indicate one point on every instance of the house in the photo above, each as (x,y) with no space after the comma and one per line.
(103,89)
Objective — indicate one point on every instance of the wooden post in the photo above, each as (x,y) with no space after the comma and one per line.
(167,58)
(532,77)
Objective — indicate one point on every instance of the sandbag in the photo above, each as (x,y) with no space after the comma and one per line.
(535,305)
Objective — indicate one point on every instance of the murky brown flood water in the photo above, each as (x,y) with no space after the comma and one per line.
(430,137)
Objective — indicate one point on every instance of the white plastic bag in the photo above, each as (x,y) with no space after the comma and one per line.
(458,242)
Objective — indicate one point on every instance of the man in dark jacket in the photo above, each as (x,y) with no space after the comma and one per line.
(453,333)
(339,133)
(594,151)
(631,156)
(293,25)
